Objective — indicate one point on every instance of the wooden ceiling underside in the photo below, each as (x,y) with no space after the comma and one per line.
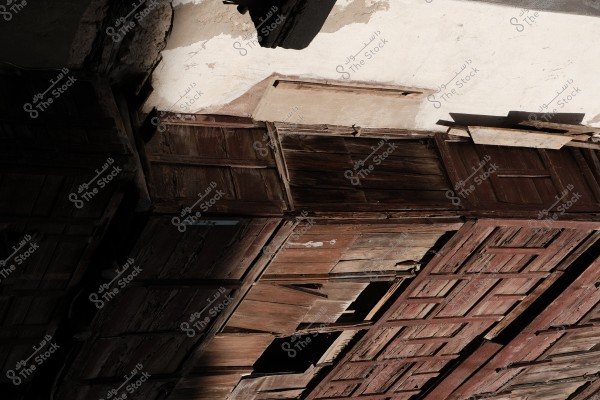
(299,250)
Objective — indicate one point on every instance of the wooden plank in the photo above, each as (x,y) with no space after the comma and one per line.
(570,128)
(515,250)
(463,370)
(517,138)
(337,103)
(584,145)
(490,275)
(399,361)
(327,131)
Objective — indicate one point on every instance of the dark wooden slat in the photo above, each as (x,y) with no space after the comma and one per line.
(179,159)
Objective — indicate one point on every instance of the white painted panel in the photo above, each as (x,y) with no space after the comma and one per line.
(365,106)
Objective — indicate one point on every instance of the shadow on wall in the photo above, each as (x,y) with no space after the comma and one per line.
(582,7)
(513,119)
(291,24)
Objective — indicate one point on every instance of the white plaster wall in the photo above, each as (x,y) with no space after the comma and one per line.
(427,43)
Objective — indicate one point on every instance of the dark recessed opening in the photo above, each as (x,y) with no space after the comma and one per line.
(294,354)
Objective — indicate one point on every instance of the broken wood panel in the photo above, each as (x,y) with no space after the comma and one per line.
(235,350)
(282,295)
(265,316)
(327,310)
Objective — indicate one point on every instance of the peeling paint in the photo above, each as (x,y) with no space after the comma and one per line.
(194,23)
(313,244)
(310,244)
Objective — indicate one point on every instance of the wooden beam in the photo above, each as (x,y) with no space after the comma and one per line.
(443,321)
(219,121)
(515,250)
(176,159)
(403,360)
(584,145)
(367,276)
(579,328)
(282,169)
(333,327)
(269,208)
(349,131)
(186,283)
(490,275)
(536,223)
(384,299)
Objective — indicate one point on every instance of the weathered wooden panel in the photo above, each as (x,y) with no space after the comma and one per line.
(387,174)
(549,183)
(469,287)
(554,356)
(185,160)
